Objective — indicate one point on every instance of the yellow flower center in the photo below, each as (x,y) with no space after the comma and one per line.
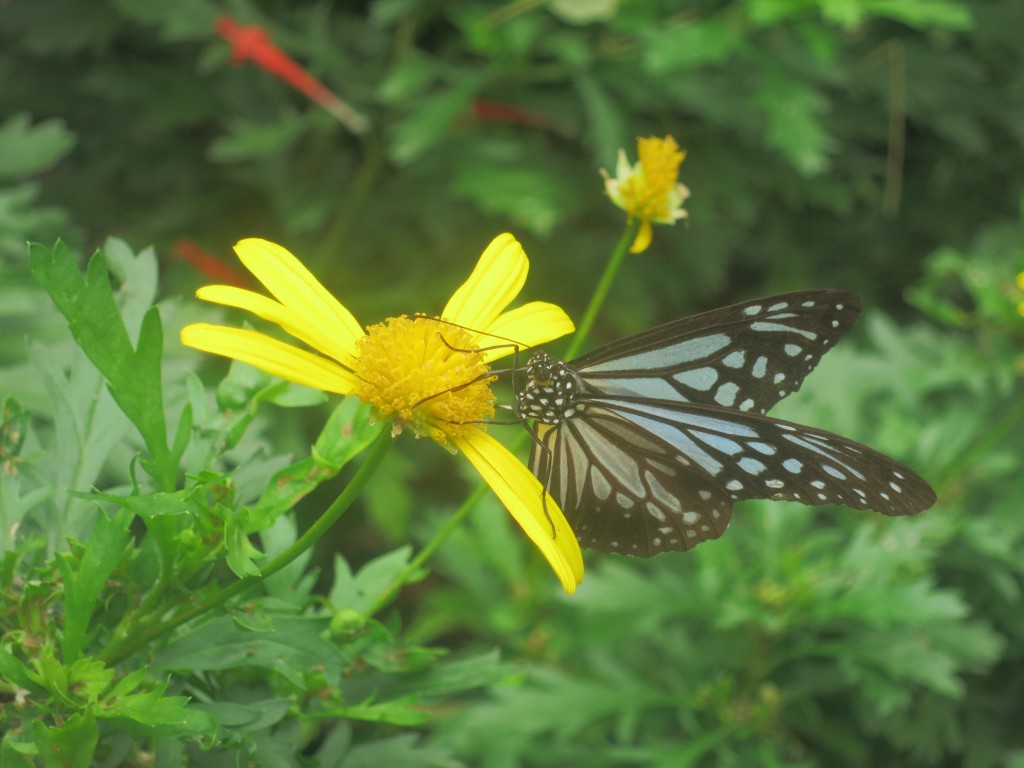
(417,371)
(646,194)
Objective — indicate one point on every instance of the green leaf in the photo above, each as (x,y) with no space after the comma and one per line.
(88,426)
(535,198)
(291,647)
(147,506)
(26,149)
(14,670)
(133,375)
(795,121)
(241,553)
(360,592)
(677,47)
(15,753)
(22,218)
(254,716)
(456,675)
(432,119)
(944,14)
(248,141)
(346,434)
(70,745)
(606,129)
(401,711)
(83,584)
(402,751)
(153,714)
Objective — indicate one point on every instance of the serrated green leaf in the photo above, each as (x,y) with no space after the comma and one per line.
(241,553)
(293,649)
(795,121)
(88,425)
(133,375)
(684,46)
(402,751)
(537,199)
(26,149)
(249,716)
(83,584)
(69,745)
(148,506)
(346,434)
(360,592)
(402,711)
(248,141)
(14,670)
(432,119)
(153,714)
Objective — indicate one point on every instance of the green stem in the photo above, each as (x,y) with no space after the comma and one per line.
(424,554)
(356,195)
(116,652)
(611,270)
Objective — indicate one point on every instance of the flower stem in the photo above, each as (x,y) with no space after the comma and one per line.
(135,640)
(424,554)
(611,269)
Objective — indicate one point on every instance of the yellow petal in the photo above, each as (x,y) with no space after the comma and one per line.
(270,355)
(537,322)
(295,287)
(520,492)
(643,238)
(320,337)
(497,279)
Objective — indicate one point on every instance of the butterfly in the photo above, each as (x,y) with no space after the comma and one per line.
(646,443)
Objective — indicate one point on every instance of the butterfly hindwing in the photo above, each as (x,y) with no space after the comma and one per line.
(747,356)
(624,490)
(757,457)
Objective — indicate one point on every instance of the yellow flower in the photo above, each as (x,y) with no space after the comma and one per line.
(649,190)
(399,365)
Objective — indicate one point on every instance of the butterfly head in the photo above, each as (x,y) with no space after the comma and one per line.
(551,392)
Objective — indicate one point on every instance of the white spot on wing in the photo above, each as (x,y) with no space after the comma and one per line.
(735,359)
(701,379)
(726,394)
(690,350)
(751,466)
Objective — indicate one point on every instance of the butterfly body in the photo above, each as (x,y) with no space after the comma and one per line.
(645,443)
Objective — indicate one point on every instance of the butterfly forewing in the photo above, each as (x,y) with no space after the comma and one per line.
(757,457)
(747,356)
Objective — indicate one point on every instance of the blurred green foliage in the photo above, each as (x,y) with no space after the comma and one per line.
(868,144)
